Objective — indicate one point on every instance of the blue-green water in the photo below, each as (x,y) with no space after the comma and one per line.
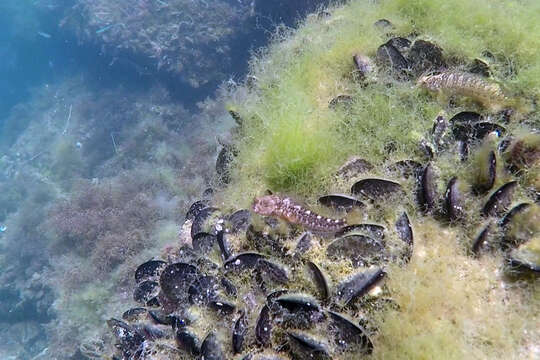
(101,141)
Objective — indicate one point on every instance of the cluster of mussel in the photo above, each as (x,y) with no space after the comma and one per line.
(248,287)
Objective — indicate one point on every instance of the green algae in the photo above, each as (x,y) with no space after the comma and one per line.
(450,305)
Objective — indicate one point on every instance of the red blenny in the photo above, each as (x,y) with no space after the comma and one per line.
(287,209)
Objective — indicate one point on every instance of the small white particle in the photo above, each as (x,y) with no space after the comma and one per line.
(318,216)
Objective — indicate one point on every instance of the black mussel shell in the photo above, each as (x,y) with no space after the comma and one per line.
(243,261)
(427,193)
(340,201)
(453,200)
(128,338)
(223,244)
(160,317)
(305,347)
(354,167)
(222,307)
(499,201)
(469,132)
(506,220)
(234,114)
(360,249)
(196,208)
(145,291)
(404,229)
(319,279)
(374,231)
(273,271)
(348,334)
(375,188)
(465,117)
(298,302)
(389,57)
(488,174)
(481,240)
(203,242)
(341,101)
(525,258)
(149,270)
(358,285)
(135,314)
(229,287)
(200,219)
(400,43)
(188,342)
(176,279)
(407,168)
(239,333)
(425,56)
(263,327)
(211,349)
(239,221)
(482,129)
(304,243)
(203,289)
(152,332)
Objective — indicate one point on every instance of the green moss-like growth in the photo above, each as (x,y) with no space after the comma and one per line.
(291,141)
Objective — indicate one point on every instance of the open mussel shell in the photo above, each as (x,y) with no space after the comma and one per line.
(358,285)
(176,279)
(499,201)
(360,249)
(302,346)
(340,201)
(149,270)
(375,188)
(348,335)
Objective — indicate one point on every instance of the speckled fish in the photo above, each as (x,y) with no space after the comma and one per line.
(449,83)
(286,209)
